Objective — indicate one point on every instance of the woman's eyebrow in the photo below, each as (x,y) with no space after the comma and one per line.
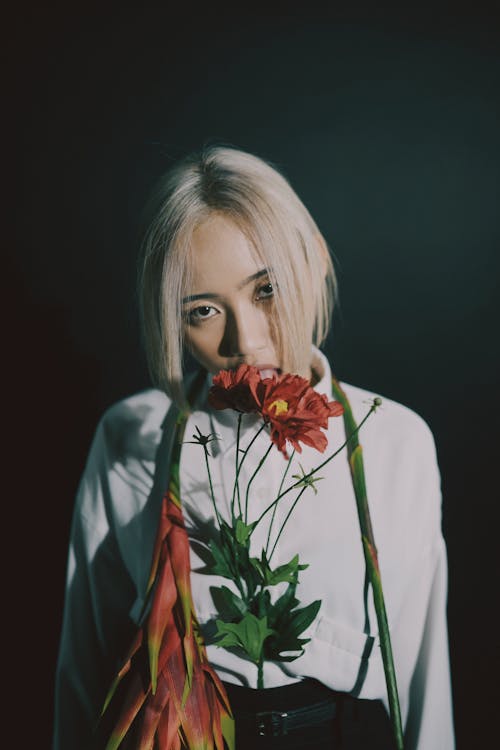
(241,285)
(253,277)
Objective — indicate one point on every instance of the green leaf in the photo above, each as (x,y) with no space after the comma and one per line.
(261,604)
(282,607)
(248,634)
(288,623)
(300,619)
(243,531)
(228,604)
(287,573)
(257,566)
(289,651)
(227,538)
(220,566)
(231,557)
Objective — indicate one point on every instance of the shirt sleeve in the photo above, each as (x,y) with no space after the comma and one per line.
(429,724)
(95,619)
(420,631)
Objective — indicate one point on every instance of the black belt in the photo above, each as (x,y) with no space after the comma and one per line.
(279,723)
(279,711)
(311,714)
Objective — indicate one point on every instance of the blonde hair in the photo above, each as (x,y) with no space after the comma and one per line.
(260,200)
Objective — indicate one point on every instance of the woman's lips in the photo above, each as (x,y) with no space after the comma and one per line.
(265,370)
(268,371)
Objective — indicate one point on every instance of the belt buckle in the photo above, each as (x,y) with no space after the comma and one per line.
(271,723)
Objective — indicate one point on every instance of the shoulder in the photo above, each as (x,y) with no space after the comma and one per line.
(393,422)
(132,427)
(120,466)
(401,467)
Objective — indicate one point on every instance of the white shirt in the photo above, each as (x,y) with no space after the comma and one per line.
(115,518)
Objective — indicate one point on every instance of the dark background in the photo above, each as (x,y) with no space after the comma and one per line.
(386,122)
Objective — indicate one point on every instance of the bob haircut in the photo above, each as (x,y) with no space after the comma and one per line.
(260,200)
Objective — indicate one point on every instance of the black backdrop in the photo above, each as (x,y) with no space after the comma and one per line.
(386,123)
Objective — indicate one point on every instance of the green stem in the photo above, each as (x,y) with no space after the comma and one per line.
(205,450)
(268,451)
(306,476)
(236,488)
(252,441)
(260,672)
(355,456)
(285,521)
(275,507)
(240,464)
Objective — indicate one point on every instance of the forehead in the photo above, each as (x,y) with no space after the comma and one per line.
(221,256)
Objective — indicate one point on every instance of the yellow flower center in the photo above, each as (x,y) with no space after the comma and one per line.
(279,406)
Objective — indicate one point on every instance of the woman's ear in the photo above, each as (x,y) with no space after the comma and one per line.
(323,251)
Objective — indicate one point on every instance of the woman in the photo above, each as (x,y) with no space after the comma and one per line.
(235,271)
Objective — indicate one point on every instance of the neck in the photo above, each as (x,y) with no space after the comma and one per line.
(317,371)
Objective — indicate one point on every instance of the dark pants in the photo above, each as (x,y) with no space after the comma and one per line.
(357,724)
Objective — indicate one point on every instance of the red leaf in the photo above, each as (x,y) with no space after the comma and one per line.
(134,699)
(196,717)
(168,725)
(161,534)
(151,715)
(136,644)
(221,691)
(164,598)
(178,546)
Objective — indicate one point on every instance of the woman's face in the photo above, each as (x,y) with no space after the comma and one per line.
(228,312)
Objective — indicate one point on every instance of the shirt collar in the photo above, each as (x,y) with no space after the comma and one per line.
(321,366)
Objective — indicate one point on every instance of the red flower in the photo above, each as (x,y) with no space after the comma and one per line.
(296,412)
(236,389)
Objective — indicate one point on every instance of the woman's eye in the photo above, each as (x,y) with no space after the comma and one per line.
(265,291)
(203,312)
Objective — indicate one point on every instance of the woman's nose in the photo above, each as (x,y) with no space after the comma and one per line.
(245,334)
